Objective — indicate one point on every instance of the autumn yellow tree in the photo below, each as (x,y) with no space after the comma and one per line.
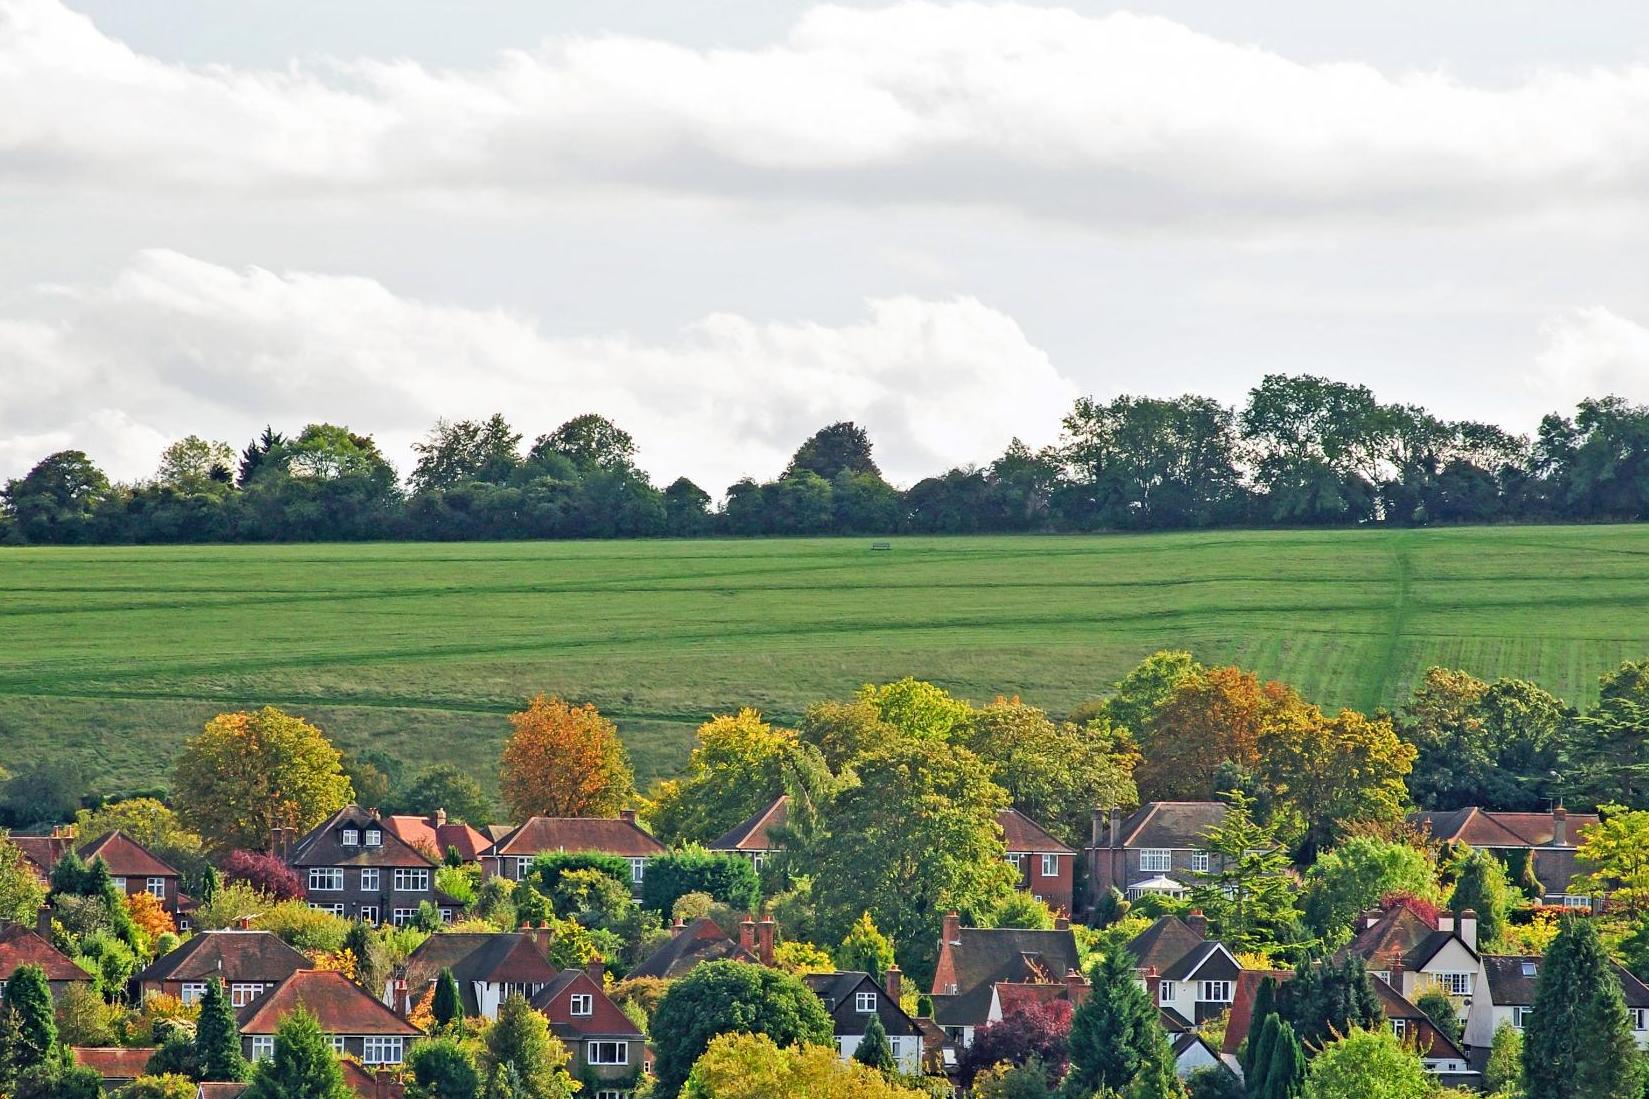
(1212,716)
(753,1066)
(1329,772)
(564,761)
(737,767)
(149,916)
(248,773)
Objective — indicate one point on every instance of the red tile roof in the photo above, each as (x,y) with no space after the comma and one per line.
(1242,1004)
(21,946)
(421,832)
(605,1020)
(42,852)
(754,832)
(1022,834)
(220,1089)
(337,1003)
(114,1062)
(607,835)
(1489,828)
(365,1084)
(126,857)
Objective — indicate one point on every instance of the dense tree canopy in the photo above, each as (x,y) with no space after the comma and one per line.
(564,761)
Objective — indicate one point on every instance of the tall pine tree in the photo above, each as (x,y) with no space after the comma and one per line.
(303,1067)
(1265,1003)
(1327,998)
(1285,1065)
(874,1049)
(446,1005)
(1115,1036)
(1579,1043)
(29,999)
(217,1037)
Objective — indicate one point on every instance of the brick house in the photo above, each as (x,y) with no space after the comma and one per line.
(248,963)
(435,834)
(1156,848)
(608,1052)
(753,837)
(354,867)
(511,856)
(1550,839)
(356,1024)
(489,968)
(136,870)
(691,945)
(852,998)
(973,961)
(1047,868)
(21,946)
(1414,955)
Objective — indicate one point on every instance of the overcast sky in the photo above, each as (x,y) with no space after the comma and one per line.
(729,222)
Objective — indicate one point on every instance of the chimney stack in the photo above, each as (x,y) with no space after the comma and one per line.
(1076,988)
(1560,826)
(1468,927)
(43,923)
(680,925)
(628,816)
(1098,827)
(597,969)
(953,927)
(440,818)
(243,923)
(764,941)
(403,1000)
(747,934)
(1445,921)
(1116,828)
(893,982)
(1197,922)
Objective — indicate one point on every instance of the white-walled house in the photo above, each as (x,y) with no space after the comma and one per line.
(1506,995)
(1413,955)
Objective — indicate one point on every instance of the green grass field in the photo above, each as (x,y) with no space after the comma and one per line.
(113,655)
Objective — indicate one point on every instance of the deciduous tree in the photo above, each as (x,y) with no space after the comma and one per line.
(1210,718)
(865,949)
(753,1066)
(519,1048)
(1356,873)
(442,1068)
(1037,1033)
(443,786)
(738,765)
(20,892)
(564,761)
(1368,1064)
(1331,771)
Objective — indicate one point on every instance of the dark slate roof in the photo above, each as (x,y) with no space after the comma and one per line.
(505,957)
(608,835)
(1187,967)
(230,955)
(699,942)
(21,946)
(833,988)
(754,832)
(1509,984)
(337,1003)
(322,847)
(1022,834)
(983,956)
(126,858)
(1164,943)
(1171,824)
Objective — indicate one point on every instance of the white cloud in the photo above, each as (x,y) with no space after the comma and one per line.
(178,345)
(1122,120)
(1593,352)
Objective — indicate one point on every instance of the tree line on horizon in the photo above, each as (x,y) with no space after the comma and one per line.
(1301,451)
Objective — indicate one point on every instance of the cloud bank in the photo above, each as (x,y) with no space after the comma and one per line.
(173,345)
(1120,121)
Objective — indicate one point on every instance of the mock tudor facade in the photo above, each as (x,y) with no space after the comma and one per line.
(489,968)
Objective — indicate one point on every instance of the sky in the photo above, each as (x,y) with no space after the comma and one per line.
(728,223)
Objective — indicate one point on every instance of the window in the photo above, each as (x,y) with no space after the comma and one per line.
(402,916)
(350,837)
(336,1042)
(1015,860)
(242,994)
(758,859)
(583,1004)
(1156,860)
(326,878)
(1216,992)
(1520,1016)
(156,888)
(1530,969)
(375,838)
(607,1053)
(263,1047)
(1455,984)
(411,881)
(381,1051)
(446,915)
(1383,975)
(120,884)
(638,870)
(1200,862)
(1400,1027)
(335,909)
(1576,902)
(369,913)
(611,1093)
(1640,1018)
(192,992)
(1050,866)
(372,880)
(522,865)
(864,1003)
(1165,992)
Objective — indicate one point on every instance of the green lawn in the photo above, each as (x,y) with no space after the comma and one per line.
(113,655)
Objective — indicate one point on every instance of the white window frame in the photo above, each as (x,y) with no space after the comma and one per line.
(1155,860)
(263,1047)
(1454,983)
(1640,1018)
(372,879)
(1213,992)
(120,884)
(1165,992)
(1201,862)
(1050,866)
(523,865)
(350,837)
(1575,900)
(374,837)
(192,991)
(403,917)
(864,1003)
(581,1004)
(638,870)
(338,1043)
(1015,859)
(377,1049)
(411,880)
(156,888)
(1400,1027)
(335,909)
(593,1051)
(326,879)
(242,993)
(368,913)
(1521,1015)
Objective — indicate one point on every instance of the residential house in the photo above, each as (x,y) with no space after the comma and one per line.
(1188,975)
(378,1084)
(1190,1049)
(248,963)
(352,866)
(1413,955)
(435,835)
(691,945)
(21,946)
(356,1024)
(136,870)
(1550,839)
(608,1051)
(1047,868)
(1156,849)
(42,852)
(511,857)
(489,968)
(853,998)
(117,1065)
(974,960)
(1506,995)
(1008,997)
(753,837)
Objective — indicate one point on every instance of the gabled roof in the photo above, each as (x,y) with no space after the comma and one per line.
(833,988)
(114,1062)
(1242,1004)
(1163,944)
(754,832)
(607,835)
(502,958)
(981,957)
(1022,834)
(339,1005)
(42,852)
(1396,1006)
(699,942)
(1170,824)
(1399,933)
(1188,966)
(422,832)
(126,858)
(230,956)
(323,847)
(1512,979)
(1012,997)
(606,1019)
(1491,828)
(21,946)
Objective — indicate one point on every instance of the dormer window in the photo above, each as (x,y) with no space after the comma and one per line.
(374,837)
(351,837)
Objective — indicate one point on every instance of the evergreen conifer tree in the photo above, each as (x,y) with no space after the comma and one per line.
(29,999)
(1115,1036)
(371,965)
(1285,1069)
(446,1006)
(210,882)
(1262,1041)
(68,875)
(1482,887)
(303,1067)
(1265,1003)
(1579,1043)
(217,1037)
(874,1048)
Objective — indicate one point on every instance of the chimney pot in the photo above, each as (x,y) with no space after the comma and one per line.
(1076,987)
(893,982)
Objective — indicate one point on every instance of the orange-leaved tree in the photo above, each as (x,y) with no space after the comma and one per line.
(564,761)
(1216,715)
